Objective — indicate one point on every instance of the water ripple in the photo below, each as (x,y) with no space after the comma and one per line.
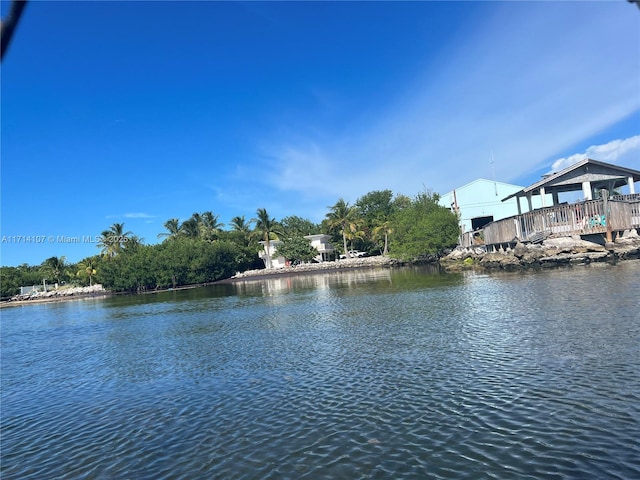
(403,375)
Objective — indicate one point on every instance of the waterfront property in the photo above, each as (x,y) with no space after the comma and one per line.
(269,254)
(481,202)
(319,241)
(601,210)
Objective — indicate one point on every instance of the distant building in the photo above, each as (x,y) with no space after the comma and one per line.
(480,202)
(276,262)
(320,242)
(599,200)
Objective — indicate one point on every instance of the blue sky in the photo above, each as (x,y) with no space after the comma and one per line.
(138,112)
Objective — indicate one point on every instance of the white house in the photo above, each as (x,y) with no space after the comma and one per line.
(320,242)
(276,262)
(480,202)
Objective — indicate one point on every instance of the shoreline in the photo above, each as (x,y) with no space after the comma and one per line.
(554,255)
(315,268)
(551,253)
(312,268)
(59,299)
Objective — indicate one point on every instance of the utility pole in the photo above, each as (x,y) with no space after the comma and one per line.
(493,174)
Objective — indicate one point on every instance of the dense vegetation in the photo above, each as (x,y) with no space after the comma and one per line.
(199,250)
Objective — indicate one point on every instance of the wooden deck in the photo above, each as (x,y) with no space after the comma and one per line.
(583,218)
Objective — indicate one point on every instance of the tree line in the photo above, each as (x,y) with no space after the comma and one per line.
(200,250)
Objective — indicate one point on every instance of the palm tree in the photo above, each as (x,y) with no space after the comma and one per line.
(356,230)
(112,240)
(241,230)
(104,244)
(266,227)
(385,230)
(173,228)
(200,225)
(239,224)
(87,268)
(131,242)
(55,266)
(191,226)
(342,216)
(209,226)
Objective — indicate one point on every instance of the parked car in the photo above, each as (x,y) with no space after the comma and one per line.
(354,254)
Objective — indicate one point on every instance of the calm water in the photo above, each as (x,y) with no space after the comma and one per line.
(370,374)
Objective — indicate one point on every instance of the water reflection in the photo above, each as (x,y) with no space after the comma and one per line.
(267,285)
(399,373)
(381,279)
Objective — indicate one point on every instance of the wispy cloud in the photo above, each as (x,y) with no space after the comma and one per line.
(530,81)
(132,215)
(625,152)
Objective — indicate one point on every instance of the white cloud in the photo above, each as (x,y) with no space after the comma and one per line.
(622,151)
(132,215)
(530,81)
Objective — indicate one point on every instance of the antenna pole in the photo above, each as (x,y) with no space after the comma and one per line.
(493,174)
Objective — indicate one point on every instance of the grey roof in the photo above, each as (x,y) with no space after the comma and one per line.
(570,179)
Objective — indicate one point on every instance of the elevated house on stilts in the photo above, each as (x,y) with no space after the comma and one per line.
(602,211)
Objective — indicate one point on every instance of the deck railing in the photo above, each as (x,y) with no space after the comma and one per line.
(629,197)
(565,220)
(471,239)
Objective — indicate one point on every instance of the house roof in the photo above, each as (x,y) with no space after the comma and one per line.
(317,236)
(571,178)
(484,181)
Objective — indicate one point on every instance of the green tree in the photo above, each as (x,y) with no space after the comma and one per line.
(342,216)
(293,226)
(239,224)
(375,208)
(356,231)
(132,242)
(87,268)
(200,225)
(12,278)
(382,231)
(267,228)
(191,226)
(297,250)
(209,226)
(240,232)
(113,240)
(173,228)
(56,268)
(423,228)
(401,202)
(182,261)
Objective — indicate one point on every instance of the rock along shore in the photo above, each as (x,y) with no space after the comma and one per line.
(57,295)
(553,252)
(349,263)
(550,253)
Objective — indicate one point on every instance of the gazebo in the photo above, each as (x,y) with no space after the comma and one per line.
(596,213)
(588,176)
